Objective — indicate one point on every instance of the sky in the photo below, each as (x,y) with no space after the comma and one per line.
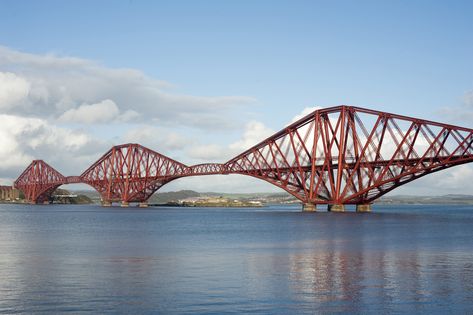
(201,81)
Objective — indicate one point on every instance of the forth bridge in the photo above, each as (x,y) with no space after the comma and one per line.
(334,156)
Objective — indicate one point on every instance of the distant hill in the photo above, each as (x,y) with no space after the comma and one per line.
(165,197)
(159,197)
(445,199)
(60,196)
(174,196)
(282,197)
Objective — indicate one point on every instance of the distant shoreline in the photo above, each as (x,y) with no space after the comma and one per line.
(189,198)
(201,206)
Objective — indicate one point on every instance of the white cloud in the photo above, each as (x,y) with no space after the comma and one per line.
(455,180)
(104,111)
(25,139)
(306,111)
(76,90)
(61,86)
(209,153)
(254,133)
(157,139)
(39,91)
(462,113)
(222,183)
(13,89)
(128,115)
(468,98)
(10,153)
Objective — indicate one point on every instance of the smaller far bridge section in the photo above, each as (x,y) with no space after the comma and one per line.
(38,181)
(333,156)
(208,169)
(73,180)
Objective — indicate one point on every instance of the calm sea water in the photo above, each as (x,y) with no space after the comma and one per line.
(276,260)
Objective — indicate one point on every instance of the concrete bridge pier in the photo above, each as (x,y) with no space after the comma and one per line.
(106,203)
(363,207)
(336,208)
(309,207)
(143,204)
(125,204)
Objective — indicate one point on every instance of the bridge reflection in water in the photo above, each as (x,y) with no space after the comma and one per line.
(274,261)
(334,156)
(355,282)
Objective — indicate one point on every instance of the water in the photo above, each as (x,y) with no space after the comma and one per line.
(88,259)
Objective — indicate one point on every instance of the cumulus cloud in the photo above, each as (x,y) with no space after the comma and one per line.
(254,133)
(455,180)
(157,139)
(468,98)
(306,111)
(222,183)
(104,111)
(13,89)
(462,113)
(70,88)
(39,91)
(209,152)
(26,139)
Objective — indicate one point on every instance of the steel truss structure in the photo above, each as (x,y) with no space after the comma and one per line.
(336,156)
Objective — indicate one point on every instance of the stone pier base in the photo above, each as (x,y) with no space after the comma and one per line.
(106,204)
(363,208)
(143,204)
(125,204)
(336,208)
(309,207)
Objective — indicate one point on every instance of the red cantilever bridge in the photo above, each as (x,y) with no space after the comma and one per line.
(334,156)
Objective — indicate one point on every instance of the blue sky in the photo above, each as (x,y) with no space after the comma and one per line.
(275,58)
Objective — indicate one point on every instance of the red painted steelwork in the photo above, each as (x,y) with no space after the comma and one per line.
(350,155)
(38,181)
(208,169)
(337,155)
(73,180)
(131,172)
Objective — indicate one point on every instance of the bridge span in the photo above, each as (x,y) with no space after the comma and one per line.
(333,156)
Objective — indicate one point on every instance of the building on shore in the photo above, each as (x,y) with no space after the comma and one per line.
(8,193)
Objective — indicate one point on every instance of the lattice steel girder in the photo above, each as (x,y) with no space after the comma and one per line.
(348,154)
(336,155)
(131,172)
(207,169)
(38,181)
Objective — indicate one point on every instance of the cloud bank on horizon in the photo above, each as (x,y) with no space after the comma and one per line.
(54,108)
(68,111)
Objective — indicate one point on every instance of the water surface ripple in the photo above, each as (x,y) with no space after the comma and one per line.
(88,259)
